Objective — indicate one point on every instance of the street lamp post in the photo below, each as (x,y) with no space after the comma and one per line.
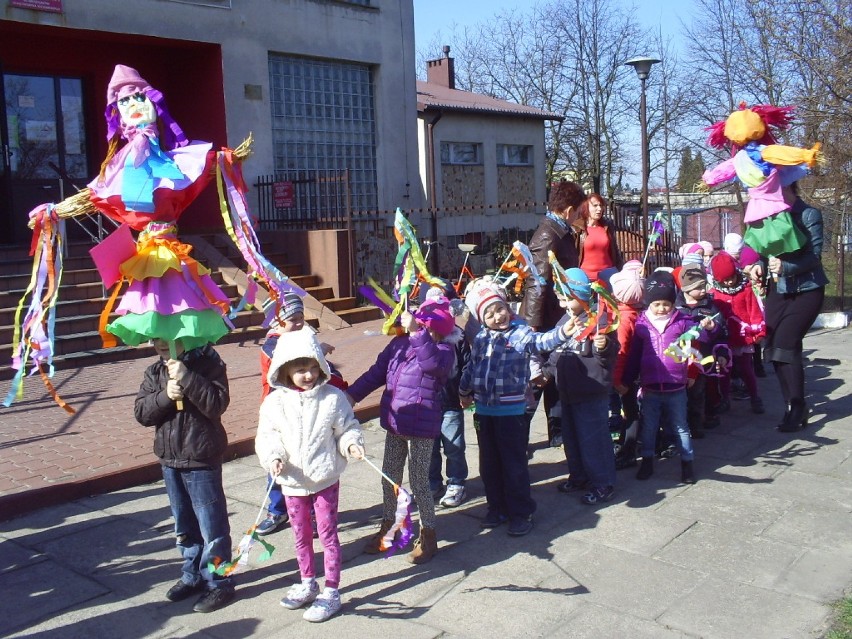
(642,66)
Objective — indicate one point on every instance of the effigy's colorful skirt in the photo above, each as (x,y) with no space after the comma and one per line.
(774,235)
(170,296)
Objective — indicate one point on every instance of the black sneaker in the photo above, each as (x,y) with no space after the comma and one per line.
(598,495)
(493,519)
(571,486)
(711,422)
(213,600)
(669,451)
(521,526)
(740,394)
(181,590)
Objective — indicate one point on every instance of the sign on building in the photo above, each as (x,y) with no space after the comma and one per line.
(282,195)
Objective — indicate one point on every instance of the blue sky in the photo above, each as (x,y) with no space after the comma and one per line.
(433,16)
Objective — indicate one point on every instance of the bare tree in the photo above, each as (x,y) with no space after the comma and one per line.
(597,37)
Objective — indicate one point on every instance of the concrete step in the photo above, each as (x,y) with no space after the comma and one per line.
(84,324)
(306,281)
(338,304)
(95,290)
(320,293)
(64,308)
(10,265)
(73,349)
(360,314)
(20,281)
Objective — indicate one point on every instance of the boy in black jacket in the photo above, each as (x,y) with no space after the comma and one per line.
(584,380)
(694,300)
(184,398)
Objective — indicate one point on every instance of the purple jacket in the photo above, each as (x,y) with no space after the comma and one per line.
(414,370)
(647,360)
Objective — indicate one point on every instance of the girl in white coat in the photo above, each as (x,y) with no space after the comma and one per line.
(306,432)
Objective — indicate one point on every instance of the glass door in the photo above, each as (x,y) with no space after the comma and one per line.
(45,146)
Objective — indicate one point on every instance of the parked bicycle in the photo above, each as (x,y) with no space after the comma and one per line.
(466,275)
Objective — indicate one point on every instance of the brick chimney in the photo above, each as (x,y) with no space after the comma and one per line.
(442,71)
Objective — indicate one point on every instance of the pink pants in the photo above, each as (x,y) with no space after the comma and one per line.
(325,507)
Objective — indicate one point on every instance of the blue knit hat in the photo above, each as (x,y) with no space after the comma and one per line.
(578,283)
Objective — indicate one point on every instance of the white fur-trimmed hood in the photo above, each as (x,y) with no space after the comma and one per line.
(294,345)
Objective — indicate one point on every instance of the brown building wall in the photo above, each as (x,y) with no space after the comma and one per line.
(462,186)
(515,184)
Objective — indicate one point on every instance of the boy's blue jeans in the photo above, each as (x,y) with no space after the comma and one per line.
(451,440)
(588,443)
(200,511)
(669,411)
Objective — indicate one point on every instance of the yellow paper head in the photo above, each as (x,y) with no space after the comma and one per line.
(744,126)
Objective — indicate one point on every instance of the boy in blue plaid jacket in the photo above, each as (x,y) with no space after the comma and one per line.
(496,380)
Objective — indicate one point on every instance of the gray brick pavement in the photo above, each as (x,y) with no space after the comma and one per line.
(757,548)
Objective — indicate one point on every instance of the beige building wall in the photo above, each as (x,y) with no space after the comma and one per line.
(487,184)
(381,35)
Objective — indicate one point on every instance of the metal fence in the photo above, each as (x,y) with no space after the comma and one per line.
(300,200)
(837,257)
(320,200)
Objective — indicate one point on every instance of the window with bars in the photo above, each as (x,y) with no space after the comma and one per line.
(323,119)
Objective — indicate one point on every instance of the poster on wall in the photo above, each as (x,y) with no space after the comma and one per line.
(53,6)
(40,131)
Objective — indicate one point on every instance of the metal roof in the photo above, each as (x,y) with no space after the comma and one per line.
(436,97)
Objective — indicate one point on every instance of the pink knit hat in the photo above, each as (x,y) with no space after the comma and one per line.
(748,256)
(628,286)
(435,314)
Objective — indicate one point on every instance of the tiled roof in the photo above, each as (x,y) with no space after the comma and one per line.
(432,96)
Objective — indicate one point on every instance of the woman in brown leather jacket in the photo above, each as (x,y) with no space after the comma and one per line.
(541,307)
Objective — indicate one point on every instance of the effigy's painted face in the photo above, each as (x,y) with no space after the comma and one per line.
(137,110)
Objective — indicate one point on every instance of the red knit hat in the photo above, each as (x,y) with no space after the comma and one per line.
(723,267)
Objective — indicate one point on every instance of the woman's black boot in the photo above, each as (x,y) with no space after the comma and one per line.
(797,418)
(784,419)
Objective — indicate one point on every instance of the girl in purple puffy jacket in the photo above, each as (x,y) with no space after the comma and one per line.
(414,369)
(663,379)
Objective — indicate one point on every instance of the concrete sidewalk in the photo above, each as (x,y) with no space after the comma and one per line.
(48,456)
(757,548)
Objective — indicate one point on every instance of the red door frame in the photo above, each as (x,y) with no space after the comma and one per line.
(188,73)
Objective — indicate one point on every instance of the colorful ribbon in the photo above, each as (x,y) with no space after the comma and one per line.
(34,336)
(234,207)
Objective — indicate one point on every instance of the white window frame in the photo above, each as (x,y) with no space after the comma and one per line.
(459,153)
(507,154)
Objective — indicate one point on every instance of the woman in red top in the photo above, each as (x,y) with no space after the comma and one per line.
(596,241)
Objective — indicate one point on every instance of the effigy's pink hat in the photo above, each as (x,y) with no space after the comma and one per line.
(125,81)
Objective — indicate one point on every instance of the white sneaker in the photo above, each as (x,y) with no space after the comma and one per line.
(300,594)
(454,496)
(324,607)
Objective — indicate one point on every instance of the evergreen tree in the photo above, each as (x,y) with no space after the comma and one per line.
(690,170)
